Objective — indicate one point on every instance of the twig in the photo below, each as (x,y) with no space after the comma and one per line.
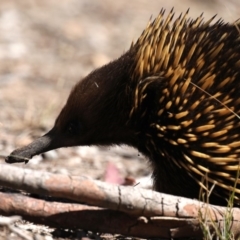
(9,221)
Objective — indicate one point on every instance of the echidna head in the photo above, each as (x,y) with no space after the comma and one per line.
(96,113)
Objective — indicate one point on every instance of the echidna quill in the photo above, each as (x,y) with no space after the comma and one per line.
(175,96)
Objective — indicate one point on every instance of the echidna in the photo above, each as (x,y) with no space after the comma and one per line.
(175,96)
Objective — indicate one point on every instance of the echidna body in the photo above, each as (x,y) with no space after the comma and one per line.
(175,96)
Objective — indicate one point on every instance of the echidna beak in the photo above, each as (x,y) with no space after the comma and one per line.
(42,144)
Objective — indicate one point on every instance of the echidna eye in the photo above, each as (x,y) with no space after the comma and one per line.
(70,128)
(73,127)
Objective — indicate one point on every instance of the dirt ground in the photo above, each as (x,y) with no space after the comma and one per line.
(45,48)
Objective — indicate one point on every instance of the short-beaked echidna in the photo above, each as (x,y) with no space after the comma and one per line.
(174,95)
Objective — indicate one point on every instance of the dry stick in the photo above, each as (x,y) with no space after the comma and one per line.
(82,189)
(134,201)
(66,215)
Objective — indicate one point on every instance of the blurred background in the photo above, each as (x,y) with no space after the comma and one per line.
(47,46)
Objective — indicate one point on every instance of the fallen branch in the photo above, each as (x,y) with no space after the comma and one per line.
(73,216)
(130,211)
(132,200)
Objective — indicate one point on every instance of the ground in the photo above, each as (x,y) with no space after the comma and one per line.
(45,48)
